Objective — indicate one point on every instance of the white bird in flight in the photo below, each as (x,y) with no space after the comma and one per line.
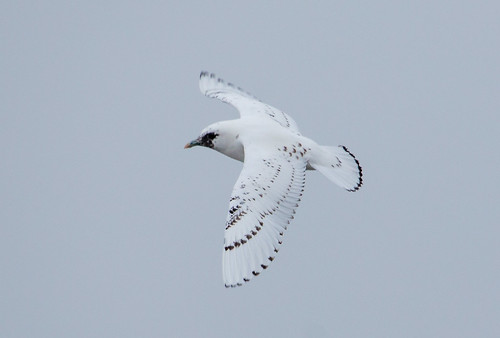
(275,158)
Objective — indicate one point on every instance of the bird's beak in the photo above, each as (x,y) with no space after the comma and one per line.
(192,144)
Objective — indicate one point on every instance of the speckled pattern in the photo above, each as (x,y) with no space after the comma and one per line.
(262,204)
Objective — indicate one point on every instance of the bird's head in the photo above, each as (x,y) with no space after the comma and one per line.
(222,137)
(210,137)
(204,140)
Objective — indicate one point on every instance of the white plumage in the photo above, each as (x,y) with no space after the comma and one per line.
(269,188)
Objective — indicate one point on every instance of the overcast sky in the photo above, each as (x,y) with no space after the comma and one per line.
(109,228)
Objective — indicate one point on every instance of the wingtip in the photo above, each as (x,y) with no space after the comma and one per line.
(206,74)
(256,271)
(204,81)
(210,82)
(203,73)
(232,285)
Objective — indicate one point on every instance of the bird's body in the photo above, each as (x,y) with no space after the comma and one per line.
(253,130)
(270,186)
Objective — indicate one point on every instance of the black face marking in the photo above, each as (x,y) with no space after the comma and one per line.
(207,139)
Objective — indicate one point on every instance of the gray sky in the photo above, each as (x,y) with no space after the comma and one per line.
(109,228)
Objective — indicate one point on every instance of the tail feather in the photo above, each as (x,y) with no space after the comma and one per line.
(339,165)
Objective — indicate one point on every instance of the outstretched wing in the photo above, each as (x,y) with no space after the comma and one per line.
(262,205)
(244,102)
